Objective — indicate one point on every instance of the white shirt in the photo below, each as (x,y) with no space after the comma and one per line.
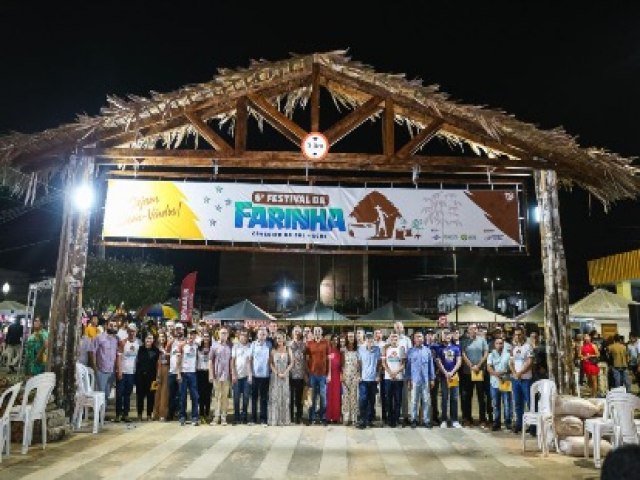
(173,359)
(240,353)
(189,357)
(129,355)
(394,357)
(520,354)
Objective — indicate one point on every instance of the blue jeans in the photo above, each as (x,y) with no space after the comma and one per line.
(124,387)
(420,391)
(174,396)
(367,401)
(521,393)
(104,383)
(260,388)
(190,382)
(393,390)
(242,387)
(318,384)
(498,399)
(621,377)
(449,401)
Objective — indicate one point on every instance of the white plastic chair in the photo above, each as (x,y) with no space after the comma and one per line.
(5,424)
(599,428)
(542,417)
(27,413)
(622,407)
(87,398)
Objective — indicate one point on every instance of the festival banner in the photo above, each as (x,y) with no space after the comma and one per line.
(295,214)
(187,290)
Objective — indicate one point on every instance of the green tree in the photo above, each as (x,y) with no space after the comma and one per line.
(110,281)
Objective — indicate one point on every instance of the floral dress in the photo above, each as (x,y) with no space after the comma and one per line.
(279,391)
(350,379)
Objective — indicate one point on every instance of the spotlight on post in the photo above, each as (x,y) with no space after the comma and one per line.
(285,293)
(83,197)
(5,288)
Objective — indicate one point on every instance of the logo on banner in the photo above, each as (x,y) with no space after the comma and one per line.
(376,217)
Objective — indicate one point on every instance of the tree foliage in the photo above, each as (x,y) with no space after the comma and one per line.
(110,282)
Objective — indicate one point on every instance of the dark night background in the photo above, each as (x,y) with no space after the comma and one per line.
(549,65)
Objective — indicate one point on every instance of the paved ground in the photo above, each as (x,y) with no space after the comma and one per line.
(159,450)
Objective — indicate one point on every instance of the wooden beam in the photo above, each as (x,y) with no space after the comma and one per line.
(241,125)
(315,98)
(353,120)
(277,120)
(388,128)
(302,249)
(421,138)
(215,140)
(288,176)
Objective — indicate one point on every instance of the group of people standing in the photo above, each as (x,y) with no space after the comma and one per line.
(341,378)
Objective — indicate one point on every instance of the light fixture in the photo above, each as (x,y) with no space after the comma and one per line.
(285,293)
(6,287)
(83,197)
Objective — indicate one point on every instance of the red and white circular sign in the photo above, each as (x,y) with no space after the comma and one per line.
(315,146)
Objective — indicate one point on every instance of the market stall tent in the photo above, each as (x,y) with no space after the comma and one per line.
(534,315)
(605,311)
(470,313)
(392,312)
(318,312)
(243,311)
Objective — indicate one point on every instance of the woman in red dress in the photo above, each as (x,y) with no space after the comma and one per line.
(589,354)
(334,406)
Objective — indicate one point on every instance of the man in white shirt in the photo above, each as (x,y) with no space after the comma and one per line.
(405,342)
(240,354)
(520,365)
(394,362)
(126,372)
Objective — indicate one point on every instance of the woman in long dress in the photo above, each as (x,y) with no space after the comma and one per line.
(334,386)
(350,381)
(161,403)
(281,361)
(589,354)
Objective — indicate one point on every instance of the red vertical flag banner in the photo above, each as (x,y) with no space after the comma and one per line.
(187,291)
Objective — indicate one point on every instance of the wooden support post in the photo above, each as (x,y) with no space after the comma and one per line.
(556,291)
(65,327)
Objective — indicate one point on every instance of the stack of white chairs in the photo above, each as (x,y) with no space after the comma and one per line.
(599,428)
(622,407)
(542,417)
(30,411)
(7,399)
(87,398)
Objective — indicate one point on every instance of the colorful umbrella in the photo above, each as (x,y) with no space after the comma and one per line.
(158,310)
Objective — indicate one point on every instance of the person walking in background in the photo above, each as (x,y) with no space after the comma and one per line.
(350,380)
(205,385)
(334,386)
(298,374)
(219,364)
(146,373)
(281,361)
(13,343)
(35,361)
(319,370)
(161,400)
(590,355)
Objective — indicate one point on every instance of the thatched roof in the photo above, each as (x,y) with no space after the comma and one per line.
(142,122)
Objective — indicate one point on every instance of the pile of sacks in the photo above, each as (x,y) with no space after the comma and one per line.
(569,423)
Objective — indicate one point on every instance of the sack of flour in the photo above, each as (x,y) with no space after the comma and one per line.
(568,426)
(574,446)
(575,406)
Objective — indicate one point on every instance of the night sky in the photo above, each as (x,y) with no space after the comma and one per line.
(579,69)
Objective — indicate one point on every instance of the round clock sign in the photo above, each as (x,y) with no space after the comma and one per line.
(315,146)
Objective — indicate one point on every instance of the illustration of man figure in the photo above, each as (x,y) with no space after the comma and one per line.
(382,223)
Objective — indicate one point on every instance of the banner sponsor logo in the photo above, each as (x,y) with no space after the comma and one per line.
(293,214)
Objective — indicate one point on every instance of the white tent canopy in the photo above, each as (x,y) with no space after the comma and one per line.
(602,307)
(243,310)
(534,315)
(316,311)
(470,313)
(11,307)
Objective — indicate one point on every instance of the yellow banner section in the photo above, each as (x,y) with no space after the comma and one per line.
(149,210)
